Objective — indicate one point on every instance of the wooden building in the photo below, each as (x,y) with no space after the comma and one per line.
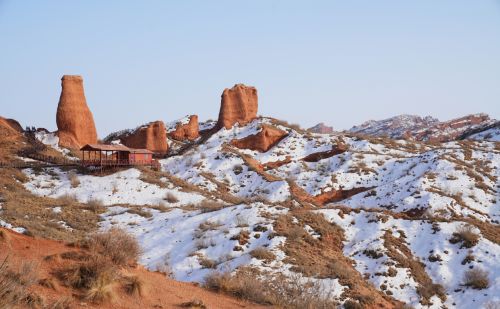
(100,155)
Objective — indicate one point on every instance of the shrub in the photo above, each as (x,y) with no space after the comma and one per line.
(194,304)
(73,179)
(133,285)
(115,243)
(14,284)
(84,275)
(206,262)
(100,290)
(476,278)
(276,290)
(466,235)
(95,205)
(67,199)
(171,198)
(210,205)
(262,253)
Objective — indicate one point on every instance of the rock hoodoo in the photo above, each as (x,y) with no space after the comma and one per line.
(151,136)
(186,131)
(262,141)
(75,123)
(238,105)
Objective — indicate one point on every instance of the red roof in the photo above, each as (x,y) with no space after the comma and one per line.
(104,147)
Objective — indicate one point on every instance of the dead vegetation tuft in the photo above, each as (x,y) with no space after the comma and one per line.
(476,278)
(466,236)
(276,290)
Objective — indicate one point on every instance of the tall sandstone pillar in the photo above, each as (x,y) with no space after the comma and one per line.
(75,123)
(238,105)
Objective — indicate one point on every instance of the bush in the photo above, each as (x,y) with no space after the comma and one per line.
(206,262)
(262,253)
(133,285)
(101,290)
(466,235)
(95,205)
(276,290)
(171,198)
(115,243)
(194,304)
(73,179)
(210,205)
(14,284)
(476,278)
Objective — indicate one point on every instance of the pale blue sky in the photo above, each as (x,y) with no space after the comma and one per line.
(340,62)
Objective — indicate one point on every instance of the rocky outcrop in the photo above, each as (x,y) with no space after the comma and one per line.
(10,125)
(427,129)
(321,128)
(262,141)
(186,131)
(453,129)
(75,123)
(317,156)
(238,105)
(151,136)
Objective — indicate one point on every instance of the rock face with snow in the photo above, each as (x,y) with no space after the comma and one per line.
(151,136)
(321,128)
(262,141)
(186,131)
(423,129)
(395,127)
(238,105)
(75,123)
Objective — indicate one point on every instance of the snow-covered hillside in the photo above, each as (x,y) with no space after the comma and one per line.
(396,207)
(417,128)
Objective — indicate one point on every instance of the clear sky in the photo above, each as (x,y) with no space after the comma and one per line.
(340,62)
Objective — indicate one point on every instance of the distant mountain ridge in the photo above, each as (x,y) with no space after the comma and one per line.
(427,128)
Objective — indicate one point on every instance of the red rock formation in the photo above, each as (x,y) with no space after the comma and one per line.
(238,105)
(262,141)
(321,128)
(189,131)
(152,137)
(75,122)
(10,125)
(316,156)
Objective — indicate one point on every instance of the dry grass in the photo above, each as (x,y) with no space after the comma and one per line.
(262,253)
(476,278)
(101,290)
(14,284)
(118,245)
(209,206)
(133,285)
(193,304)
(73,179)
(95,205)
(171,198)
(466,236)
(206,262)
(276,290)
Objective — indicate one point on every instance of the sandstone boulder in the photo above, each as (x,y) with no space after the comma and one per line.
(186,131)
(75,123)
(152,136)
(262,141)
(238,105)
(10,125)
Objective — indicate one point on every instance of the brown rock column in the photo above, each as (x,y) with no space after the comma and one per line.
(75,123)
(238,105)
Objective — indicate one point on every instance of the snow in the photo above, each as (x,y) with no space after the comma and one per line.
(52,140)
(449,181)
(124,187)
